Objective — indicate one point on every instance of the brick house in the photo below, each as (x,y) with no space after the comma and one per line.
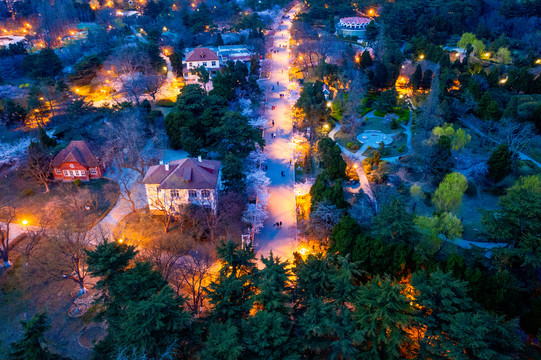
(170,185)
(76,161)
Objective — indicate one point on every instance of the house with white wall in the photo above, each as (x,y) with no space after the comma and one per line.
(171,185)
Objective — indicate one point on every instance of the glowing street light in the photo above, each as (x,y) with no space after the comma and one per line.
(421,57)
(120,241)
(329,104)
(165,68)
(487,54)
(300,57)
(538,61)
(371,12)
(303,251)
(24,222)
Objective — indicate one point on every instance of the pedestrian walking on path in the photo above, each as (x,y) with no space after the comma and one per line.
(272,122)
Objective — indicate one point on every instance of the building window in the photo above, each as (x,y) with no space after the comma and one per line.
(190,64)
(66,173)
(205,194)
(93,171)
(175,194)
(205,64)
(82,172)
(192,194)
(58,172)
(214,63)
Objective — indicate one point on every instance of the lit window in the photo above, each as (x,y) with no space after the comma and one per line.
(205,194)
(58,172)
(82,172)
(93,171)
(66,173)
(192,194)
(175,194)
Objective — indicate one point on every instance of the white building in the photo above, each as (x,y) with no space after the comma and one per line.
(170,185)
(353,26)
(201,57)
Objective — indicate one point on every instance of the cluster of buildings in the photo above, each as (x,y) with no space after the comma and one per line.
(213,59)
(168,186)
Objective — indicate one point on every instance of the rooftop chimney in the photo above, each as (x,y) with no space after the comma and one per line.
(199,158)
(166,166)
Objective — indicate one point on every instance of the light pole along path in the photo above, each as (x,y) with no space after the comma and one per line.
(279,149)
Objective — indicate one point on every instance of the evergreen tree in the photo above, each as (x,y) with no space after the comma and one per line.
(519,212)
(394,224)
(223,342)
(219,40)
(500,162)
(440,297)
(440,161)
(231,294)
(30,346)
(382,312)
(416,78)
(366,59)
(141,309)
(269,329)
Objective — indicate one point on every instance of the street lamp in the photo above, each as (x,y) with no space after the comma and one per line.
(421,57)
(120,241)
(24,222)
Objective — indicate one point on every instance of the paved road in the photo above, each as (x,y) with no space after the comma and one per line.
(281,240)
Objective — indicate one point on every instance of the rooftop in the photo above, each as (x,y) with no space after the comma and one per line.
(187,173)
(76,151)
(202,54)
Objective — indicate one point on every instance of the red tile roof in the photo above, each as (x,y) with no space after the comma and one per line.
(202,54)
(185,174)
(76,151)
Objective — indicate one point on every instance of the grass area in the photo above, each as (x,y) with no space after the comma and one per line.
(24,292)
(375,123)
(396,148)
(379,113)
(344,139)
(32,203)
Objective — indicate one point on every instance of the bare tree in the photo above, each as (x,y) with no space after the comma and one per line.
(354,102)
(152,84)
(517,136)
(35,235)
(128,139)
(38,164)
(164,252)
(192,275)
(131,63)
(63,256)
(127,193)
(323,219)
(7,215)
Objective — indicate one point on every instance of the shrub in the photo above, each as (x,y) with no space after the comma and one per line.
(402,148)
(355,147)
(394,124)
(349,145)
(472,189)
(379,113)
(77,182)
(165,103)
(29,192)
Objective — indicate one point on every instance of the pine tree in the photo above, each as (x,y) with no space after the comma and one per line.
(29,347)
(416,78)
(366,59)
(223,343)
(140,308)
(499,164)
(439,297)
(393,224)
(231,294)
(383,312)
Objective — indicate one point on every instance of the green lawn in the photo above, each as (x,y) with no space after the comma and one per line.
(343,139)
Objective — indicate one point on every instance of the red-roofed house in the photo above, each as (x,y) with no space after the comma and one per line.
(183,181)
(76,161)
(202,57)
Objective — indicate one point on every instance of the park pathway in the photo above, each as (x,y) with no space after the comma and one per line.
(281,240)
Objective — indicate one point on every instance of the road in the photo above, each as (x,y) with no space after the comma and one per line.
(280,239)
